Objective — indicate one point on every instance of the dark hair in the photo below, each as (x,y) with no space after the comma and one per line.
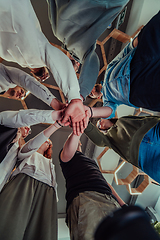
(98,87)
(48,152)
(40,72)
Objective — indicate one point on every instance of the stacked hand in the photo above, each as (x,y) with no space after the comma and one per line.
(74,114)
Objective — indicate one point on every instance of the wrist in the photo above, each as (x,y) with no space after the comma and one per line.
(55,104)
(82,98)
(91,112)
(57,125)
(76,100)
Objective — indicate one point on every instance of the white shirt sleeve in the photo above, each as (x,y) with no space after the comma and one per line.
(22,118)
(31,146)
(28,82)
(63,72)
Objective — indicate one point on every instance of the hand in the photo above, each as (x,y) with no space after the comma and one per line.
(57,105)
(75,112)
(86,117)
(58,115)
(86,108)
(135,42)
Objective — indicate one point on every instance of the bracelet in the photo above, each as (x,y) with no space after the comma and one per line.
(91,112)
(59,124)
(56,127)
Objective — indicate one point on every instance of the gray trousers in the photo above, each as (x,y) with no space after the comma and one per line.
(86,212)
(28,210)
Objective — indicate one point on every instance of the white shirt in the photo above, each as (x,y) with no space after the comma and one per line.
(23,42)
(15,119)
(35,164)
(10,77)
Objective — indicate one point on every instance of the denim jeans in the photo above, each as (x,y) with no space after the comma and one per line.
(145,67)
(86,212)
(149,153)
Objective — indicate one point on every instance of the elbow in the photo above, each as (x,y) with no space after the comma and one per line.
(65,157)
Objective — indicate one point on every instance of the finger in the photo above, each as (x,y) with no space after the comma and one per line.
(65,118)
(67,124)
(81,124)
(86,119)
(78,128)
(85,122)
(74,128)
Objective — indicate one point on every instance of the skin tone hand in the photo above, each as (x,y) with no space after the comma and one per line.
(57,105)
(135,42)
(58,115)
(102,112)
(75,112)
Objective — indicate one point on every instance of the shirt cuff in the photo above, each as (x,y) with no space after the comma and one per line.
(73,95)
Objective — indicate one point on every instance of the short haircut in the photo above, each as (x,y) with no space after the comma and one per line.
(98,87)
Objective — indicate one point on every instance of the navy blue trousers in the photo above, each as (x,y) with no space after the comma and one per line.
(145,67)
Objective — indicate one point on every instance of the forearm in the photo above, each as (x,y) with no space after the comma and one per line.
(63,72)
(34,144)
(50,130)
(120,201)
(101,112)
(97,137)
(70,147)
(89,73)
(21,118)
(28,82)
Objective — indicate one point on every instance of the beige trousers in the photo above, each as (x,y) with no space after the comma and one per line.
(86,212)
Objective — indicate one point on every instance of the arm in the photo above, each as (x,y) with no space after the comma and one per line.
(99,112)
(34,144)
(89,73)
(21,118)
(63,72)
(65,77)
(96,136)
(70,147)
(120,201)
(28,82)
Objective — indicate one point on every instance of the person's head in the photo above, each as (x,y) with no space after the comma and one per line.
(74,62)
(96,91)
(25,131)
(41,74)
(46,149)
(15,93)
(130,222)
(105,124)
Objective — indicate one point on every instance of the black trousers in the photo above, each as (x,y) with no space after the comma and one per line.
(145,67)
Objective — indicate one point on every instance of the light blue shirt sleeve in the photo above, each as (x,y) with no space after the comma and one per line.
(112,105)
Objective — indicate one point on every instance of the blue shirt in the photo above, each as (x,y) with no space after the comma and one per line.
(116,86)
(149,153)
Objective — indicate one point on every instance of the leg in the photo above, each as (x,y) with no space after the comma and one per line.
(91,208)
(27,210)
(149,153)
(145,67)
